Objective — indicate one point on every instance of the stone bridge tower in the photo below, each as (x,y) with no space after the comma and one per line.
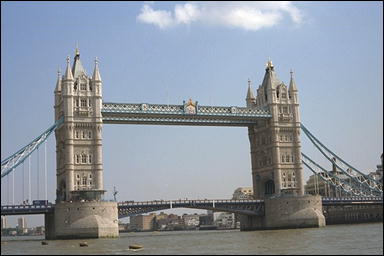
(277,172)
(80,211)
(78,142)
(275,143)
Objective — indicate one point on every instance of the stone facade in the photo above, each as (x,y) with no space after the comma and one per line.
(275,143)
(79,211)
(277,172)
(78,99)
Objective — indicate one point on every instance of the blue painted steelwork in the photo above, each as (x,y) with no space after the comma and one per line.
(352,172)
(179,115)
(11,162)
(246,207)
(26,209)
(351,187)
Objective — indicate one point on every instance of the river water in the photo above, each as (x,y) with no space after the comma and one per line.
(333,239)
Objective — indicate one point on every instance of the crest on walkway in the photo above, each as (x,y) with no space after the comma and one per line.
(190,107)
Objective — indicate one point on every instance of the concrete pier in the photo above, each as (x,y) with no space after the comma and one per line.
(287,212)
(82,220)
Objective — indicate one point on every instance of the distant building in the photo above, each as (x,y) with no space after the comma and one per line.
(243,193)
(3,222)
(225,220)
(191,221)
(22,226)
(142,222)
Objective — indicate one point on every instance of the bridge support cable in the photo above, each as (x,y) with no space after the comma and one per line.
(333,180)
(350,171)
(22,184)
(38,172)
(13,187)
(17,158)
(45,170)
(29,181)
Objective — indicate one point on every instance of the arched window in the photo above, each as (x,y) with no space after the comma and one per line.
(77,159)
(90,159)
(269,187)
(84,180)
(90,134)
(83,159)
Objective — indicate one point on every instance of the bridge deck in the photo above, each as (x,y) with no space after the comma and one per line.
(127,113)
(129,208)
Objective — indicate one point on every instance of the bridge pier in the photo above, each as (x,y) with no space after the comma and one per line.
(82,220)
(287,212)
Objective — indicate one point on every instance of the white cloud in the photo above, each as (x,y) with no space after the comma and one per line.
(162,19)
(245,15)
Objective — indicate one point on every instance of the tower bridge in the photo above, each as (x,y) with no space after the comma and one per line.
(272,118)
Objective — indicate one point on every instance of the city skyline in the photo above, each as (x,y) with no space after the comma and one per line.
(164,57)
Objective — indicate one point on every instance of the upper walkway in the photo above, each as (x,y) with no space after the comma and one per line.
(187,114)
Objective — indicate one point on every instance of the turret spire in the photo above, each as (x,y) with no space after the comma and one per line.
(68,73)
(96,73)
(249,92)
(58,83)
(292,83)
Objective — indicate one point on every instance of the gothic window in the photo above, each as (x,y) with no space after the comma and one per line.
(90,159)
(281,137)
(75,86)
(83,132)
(89,134)
(282,158)
(89,103)
(90,176)
(83,159)
(78,176)
(286,138)
(277,93)
(90,86)
(77,102)
(77,159)
(285,110)
(83,102)
(292,158)
(287,158)
(78,183)
(83,86)
(77,134)
(90,182)
(84,180)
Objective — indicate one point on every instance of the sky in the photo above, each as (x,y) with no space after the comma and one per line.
(167,52)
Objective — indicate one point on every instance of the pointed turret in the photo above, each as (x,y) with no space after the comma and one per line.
(270,78)
(250,92)
(58,83)
(250,99)
(77,68)
(96,73)
(68,73)
(292,83)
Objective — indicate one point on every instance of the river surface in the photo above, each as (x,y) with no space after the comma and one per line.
(354,239)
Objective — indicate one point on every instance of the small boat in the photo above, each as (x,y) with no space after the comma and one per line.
(135,246)
(83,244)
(44,242)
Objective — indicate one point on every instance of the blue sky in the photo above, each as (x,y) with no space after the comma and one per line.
(167,52)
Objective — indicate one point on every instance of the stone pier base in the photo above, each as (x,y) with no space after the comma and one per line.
(287,212)
(82,220)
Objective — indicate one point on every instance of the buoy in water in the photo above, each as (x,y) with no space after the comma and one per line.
(135,246)
(82,244)
(44,242)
